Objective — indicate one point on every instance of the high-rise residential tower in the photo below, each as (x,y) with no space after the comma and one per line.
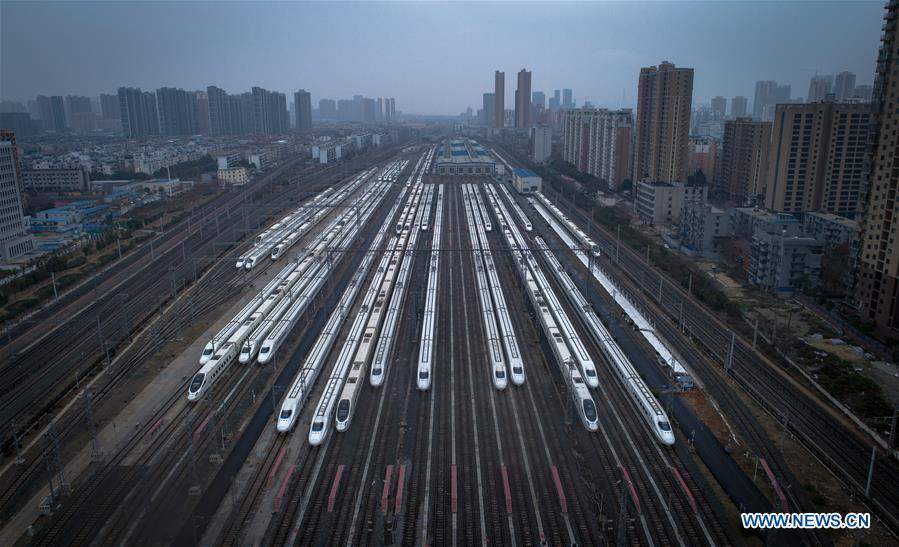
(567,100)
(844,85)
(489,105)
(14,240)
(109,107)
(744,159)
(815,162)
(738,107)
(878,284)
(302,104)
(665,95)
(523,100)
(818,88)
(719,107)
(138,112)
(53,113)
(598,142)
(499,94)
(177,111)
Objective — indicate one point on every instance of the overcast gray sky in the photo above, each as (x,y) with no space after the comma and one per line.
(433,57)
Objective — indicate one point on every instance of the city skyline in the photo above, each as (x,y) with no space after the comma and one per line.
(728,69)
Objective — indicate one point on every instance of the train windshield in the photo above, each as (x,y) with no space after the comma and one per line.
(423,374)
(500,374)
(343,410)
(317,426)
(590,410)
(664,426)
(197,382)
(208,351)
(286,413)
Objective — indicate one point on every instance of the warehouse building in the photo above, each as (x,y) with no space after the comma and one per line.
(461,157)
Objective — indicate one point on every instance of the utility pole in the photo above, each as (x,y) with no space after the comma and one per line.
(618,246)
(729,365)
(18,444)
(893,428)
(871,471)
(53,280)
(88,397)
(55,470)
(102,341)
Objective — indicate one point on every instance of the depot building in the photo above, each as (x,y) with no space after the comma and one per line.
(464,157)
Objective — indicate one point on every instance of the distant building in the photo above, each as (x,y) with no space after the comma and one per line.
(567,99)
(302,101)
(767,95)
(53,113)
(538,98)
(523,100)
(327,109)
(703,227)
(14,241)
(844,86)
(663,123)
(234,176)
(138,112)
(818,88)
(76,105)
(744,159)
(327,152)
(526,181)
(782,257)
(598,142)
(660,203)
(863,93)
(816,159)
(541,143)
(228,161)
(109,107)
(719,107)
(55,180)
(835,231)
(20,123)
(555,102)
(177,110)
(703,157)
(488,110)
(499,95)
(738,106)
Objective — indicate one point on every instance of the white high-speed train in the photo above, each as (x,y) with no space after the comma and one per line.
(577,389)
(578,350)
(583,239)
(504,321)
(488,317)
(211,371)
(305,379)
(426,348)
(381,359)
(648,407)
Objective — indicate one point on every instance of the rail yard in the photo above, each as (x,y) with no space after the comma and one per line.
(379,354)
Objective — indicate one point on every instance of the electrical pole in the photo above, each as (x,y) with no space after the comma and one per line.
(871,471)
(92,425)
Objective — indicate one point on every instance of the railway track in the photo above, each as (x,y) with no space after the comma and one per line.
(204,298)
(838,446)
(229,265)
